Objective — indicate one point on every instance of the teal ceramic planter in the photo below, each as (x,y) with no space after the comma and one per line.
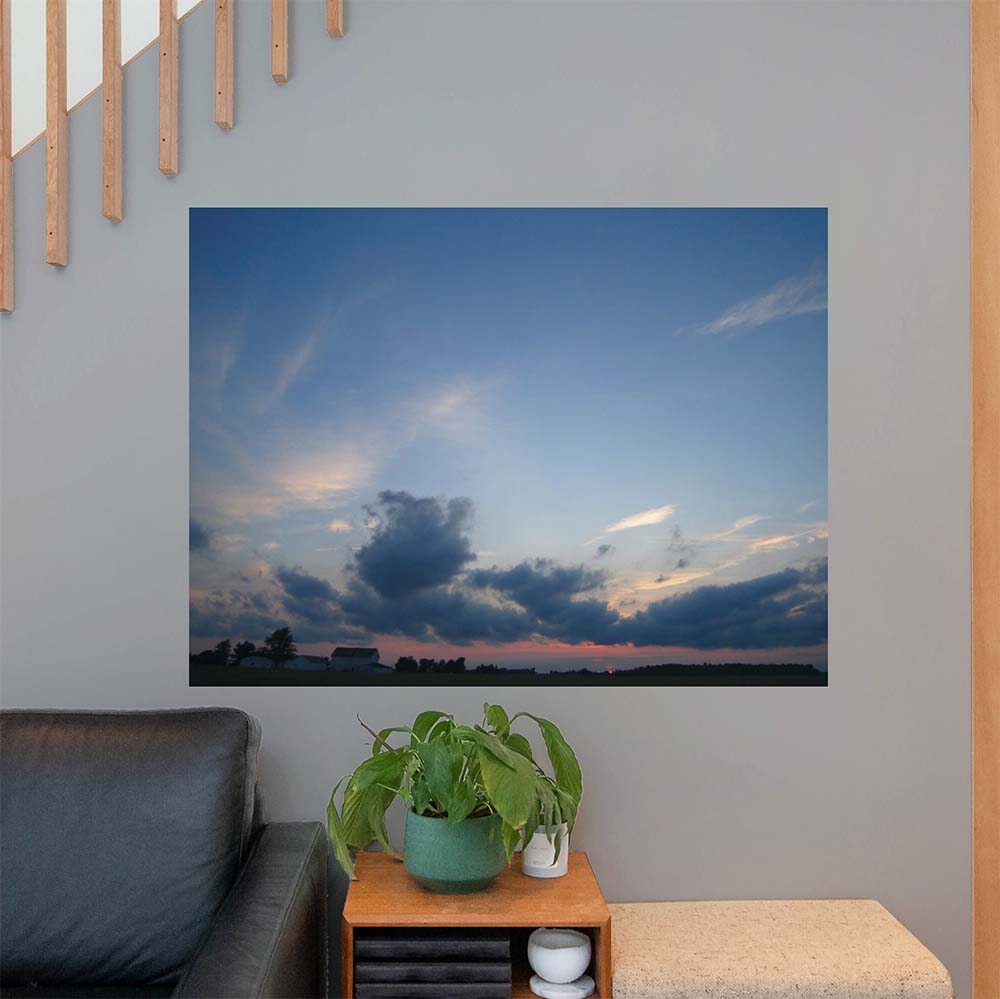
(454,859)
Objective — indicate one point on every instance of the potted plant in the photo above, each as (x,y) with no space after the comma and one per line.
(471,792)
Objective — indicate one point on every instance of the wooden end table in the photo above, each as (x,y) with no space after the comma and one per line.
(385,896)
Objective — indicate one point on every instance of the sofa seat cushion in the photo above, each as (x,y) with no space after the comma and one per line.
(122,834)
(837,949)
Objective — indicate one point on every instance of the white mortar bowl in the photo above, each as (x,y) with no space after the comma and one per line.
(559,956)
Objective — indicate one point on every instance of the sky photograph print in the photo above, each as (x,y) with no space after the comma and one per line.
(508,446)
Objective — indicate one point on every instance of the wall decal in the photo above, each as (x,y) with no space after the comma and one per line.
(508,446)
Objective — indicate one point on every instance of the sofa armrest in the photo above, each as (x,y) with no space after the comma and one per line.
(269,938)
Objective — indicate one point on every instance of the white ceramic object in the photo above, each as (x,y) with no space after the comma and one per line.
(559,956)
(580,989)
(538,858)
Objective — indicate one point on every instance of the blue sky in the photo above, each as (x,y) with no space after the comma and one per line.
(548,436)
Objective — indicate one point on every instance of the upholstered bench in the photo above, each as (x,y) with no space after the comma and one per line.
(839,949)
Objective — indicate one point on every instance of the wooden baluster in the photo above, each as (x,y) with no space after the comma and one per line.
(168,87)
(224,63)
(111,118)
(279,41)
(335,18)
(56,135)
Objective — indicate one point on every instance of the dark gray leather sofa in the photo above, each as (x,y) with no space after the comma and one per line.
(134,861)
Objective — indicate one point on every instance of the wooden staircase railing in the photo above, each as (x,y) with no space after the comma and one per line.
(56,111)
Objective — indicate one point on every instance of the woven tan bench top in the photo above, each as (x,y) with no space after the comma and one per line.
(839,949)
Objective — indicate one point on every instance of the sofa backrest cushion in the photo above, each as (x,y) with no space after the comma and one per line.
(121,834)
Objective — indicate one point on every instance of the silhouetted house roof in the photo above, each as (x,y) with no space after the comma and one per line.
(351,652)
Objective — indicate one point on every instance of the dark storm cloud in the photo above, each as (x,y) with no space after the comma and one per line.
(785,608)
(536,600)
(199,536)
(540,585)
(546,591)
(307,597)
(234,613)
(412,578)
(603,550)
(308,605)
(417,543)
(447,613)
(682,563)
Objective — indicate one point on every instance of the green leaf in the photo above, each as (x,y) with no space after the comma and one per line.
(386,768)
(511,838)
(421,796)
(512,790)
(442,728)
(462,802)
(559,843)
(520,745)
(496,718)
(484,740)
(380,744)
(423,724)
(335,828)
(436,762)
(565,765)
(354,813)
(376,819)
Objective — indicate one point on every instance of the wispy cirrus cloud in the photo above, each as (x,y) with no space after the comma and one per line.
(737,525)
(792,297)
(296,361)
(290,369)
(782,542)
(656,515)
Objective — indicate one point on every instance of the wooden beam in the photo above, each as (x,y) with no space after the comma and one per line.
(224,63)
(279,41)
(168,87)
(985,110)
(335,18)
(6,168)
(56,135)
(111,118)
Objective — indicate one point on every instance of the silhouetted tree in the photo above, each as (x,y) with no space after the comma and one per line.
(222,652)
(280,645)
(407,664)
(241,650)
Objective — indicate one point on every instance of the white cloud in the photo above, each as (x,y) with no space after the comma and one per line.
(794,297)
(777,543)
(782,542)
(290,369)
(736,527)
(456,410)
(656,515)
(340,526)
(270,546)
(228,544)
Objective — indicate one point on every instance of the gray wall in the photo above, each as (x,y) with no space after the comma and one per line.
(861,789)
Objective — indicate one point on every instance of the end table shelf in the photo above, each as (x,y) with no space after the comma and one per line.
(385,896)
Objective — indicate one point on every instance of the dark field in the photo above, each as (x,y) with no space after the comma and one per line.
(722,675)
